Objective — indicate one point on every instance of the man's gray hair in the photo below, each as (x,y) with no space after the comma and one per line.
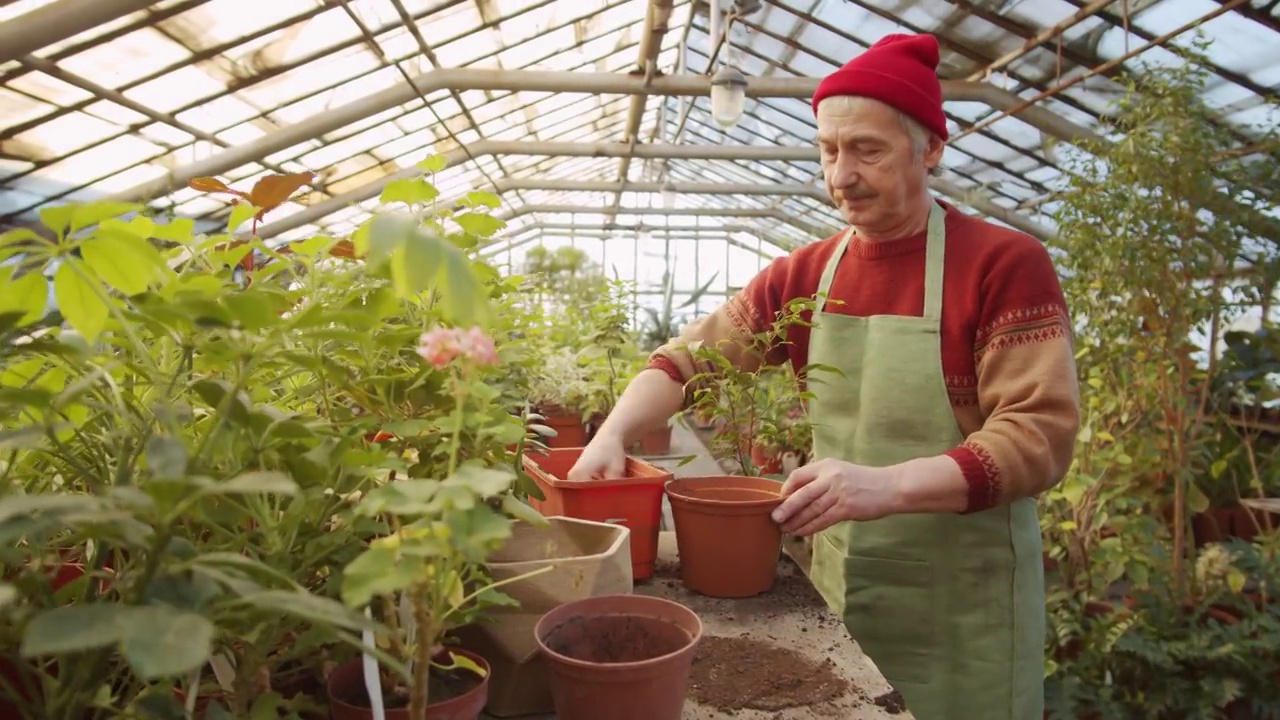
(920,136)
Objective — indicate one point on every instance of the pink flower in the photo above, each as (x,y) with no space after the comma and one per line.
(441,346)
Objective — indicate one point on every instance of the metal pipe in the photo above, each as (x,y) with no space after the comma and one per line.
(550,149)
(1041,38)
(812,191)
(657,19)
(1024,106)
(58,21)
(324,208)
(550,209)
(814,231)
(540,81)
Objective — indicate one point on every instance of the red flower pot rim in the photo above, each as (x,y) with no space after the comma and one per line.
(602,605)
(758,492)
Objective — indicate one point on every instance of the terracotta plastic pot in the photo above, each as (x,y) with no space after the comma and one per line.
(656,442)
(571,432)
(348,699)
(729,545)
(619,657)
(633,500)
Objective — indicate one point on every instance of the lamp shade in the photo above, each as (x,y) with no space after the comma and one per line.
(728,96)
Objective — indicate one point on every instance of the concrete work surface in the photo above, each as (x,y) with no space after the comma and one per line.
(829,677)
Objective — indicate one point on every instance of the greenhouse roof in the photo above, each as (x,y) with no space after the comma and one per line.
(554,104)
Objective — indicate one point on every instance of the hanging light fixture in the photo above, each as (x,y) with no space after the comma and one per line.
(668,194)
(728,96)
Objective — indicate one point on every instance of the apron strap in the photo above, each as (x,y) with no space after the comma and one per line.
(829,273)
(933,262)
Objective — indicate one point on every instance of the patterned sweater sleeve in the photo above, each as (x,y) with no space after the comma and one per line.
(1027,387)
(728,328)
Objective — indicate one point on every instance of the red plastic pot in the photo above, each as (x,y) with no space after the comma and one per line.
(633,501)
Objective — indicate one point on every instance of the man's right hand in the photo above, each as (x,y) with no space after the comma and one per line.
(605,457)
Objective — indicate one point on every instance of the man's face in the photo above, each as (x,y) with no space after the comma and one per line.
(873,174)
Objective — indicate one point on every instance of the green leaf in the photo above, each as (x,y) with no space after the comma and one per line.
(167,642)
(477,198)
(415,263)
(167,457)
(8,595)
(410,191)
(480,224)
(1219,467)
(255,310)
(241,212)
(434,164)
(378,571)
(464,301)
(79,302)
(458,661)
(24,438)
(79,627)
(18,240)
(85,214)
(214,392)
(125,262)
(179,230)
(483,481)
(13,506)
(28,295)
(1197,501)
(313,245)
(520,510)
(302,604)
(57,218)
(258,482)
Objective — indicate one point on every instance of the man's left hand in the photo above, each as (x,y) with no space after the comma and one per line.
(829,491)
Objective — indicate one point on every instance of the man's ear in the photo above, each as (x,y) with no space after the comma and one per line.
(933,151)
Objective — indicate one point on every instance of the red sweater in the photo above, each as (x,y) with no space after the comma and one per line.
(1006,337)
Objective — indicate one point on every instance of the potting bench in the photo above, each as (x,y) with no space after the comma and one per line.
(790,616)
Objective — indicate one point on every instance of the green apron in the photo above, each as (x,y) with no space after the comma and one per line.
(949,607)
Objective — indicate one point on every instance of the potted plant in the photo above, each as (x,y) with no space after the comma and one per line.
(725,522)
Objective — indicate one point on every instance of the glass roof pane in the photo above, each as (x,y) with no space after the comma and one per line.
(244,70)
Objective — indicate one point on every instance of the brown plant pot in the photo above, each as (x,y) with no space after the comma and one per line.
(728,544)
(619,657)
(571,432)
(348,699)
(766,463)
(656,442)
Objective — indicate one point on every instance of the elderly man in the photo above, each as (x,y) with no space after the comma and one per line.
(956,406)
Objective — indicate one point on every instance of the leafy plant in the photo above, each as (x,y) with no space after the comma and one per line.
(734,391)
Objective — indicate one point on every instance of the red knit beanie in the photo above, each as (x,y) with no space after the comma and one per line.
(899,70)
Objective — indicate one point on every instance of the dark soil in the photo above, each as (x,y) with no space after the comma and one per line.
(617,638)
(891,702)
(734,673)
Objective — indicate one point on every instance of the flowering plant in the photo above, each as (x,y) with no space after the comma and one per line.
(426,576)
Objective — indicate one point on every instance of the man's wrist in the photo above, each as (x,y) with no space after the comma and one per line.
(929,485)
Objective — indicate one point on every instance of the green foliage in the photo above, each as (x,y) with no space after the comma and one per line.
(734,388)
(208,459)
(1153,227)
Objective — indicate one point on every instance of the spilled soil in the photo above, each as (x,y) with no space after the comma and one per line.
(617,638)
(891,702)
(735,673)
